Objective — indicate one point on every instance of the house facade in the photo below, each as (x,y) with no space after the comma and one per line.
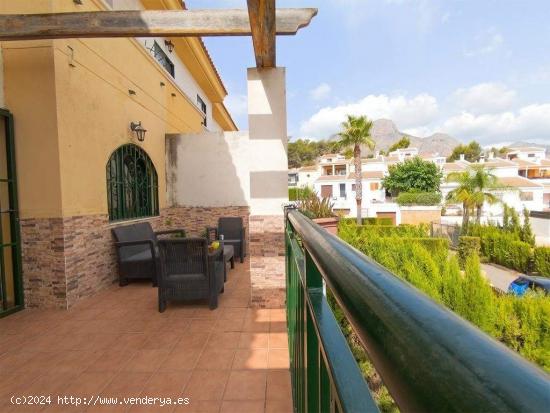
(70,107)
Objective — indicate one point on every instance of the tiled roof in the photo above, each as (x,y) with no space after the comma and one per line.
(368,175)
(545,162)
(308,168)
(524,163)
(518,182)
(498,163)
(453,167)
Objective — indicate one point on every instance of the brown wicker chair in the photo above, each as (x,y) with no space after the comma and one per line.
(187,271)
(233,231)
(137,251)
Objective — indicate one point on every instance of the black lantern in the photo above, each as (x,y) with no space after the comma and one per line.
(139,130)
(169,45)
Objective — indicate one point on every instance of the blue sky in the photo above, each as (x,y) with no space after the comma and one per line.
(476,69)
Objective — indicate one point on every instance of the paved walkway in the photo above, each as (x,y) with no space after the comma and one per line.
(116,344)
(498,276)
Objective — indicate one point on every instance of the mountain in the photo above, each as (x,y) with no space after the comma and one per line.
(385,134)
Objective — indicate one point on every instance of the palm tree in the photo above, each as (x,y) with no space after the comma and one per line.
(356,132)
(474,189)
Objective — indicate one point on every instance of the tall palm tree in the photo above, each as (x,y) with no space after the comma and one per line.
(356,132)
(475,187)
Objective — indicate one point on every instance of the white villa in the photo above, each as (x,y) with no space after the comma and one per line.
(525,172)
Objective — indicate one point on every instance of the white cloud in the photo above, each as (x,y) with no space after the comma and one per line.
(407,113)
(529,123)
(486,43)
(484,98)
(320,92)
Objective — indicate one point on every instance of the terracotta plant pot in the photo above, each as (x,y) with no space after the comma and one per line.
(329,224)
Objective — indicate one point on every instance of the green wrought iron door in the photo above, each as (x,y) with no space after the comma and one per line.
(11,286)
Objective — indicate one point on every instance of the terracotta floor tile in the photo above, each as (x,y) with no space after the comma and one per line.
(278,384)
(88,383)
(131,341)
(246,385)
(206,385)
(192,341)
(126,384)
(254,340)
(253,406)
(277,327)
(215,358)
(279,406)
(227,340)
(200,406)
(111,360)
(250,360)
(278,359)
(278,314)
(201,326)
(229,325)
(161,340)
(146,361)
(181,359)
(278,340)
(254,326)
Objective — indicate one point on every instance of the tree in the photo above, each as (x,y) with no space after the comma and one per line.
(402,143)
(471,152)
(526,232)
(475,187)
(356,132)
(413,175)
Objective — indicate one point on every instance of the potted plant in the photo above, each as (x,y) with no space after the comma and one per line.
(320,211)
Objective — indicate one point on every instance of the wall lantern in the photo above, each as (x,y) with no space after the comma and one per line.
(169,45)
(139,130)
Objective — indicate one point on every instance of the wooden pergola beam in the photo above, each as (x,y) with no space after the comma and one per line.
(262,23)
(215,22)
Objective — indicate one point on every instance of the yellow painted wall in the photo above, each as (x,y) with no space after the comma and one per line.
(72,109)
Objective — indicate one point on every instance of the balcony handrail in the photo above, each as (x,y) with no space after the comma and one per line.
(429,358)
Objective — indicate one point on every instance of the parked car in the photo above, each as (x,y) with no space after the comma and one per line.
(524,282)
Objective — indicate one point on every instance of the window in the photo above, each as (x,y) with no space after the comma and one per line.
(374,186)
(526,196)
(342,190)
(163,59)
(202,107)
(132,186)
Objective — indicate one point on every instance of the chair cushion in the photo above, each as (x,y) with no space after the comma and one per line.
(186,277)
(142,256)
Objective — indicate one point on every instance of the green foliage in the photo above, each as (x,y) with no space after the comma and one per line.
(304,152)
(468,246)
(314,207)
(413,175)
(408,231)
(471,151)
(402,143)
(526,232)
(521,323)
(369,221)
(542,261)
(296,193)
(419,198)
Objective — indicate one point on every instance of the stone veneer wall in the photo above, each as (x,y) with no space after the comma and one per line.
(267,261)
(65,259)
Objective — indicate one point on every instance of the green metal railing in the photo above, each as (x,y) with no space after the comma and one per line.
(430,359)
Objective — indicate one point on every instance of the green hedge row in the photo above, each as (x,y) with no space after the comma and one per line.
(521,323)
(368,221)
(389,230)
(467,246)
(541,258)
(506,250)
(419,198)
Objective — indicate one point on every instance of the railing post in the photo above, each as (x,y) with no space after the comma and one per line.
(313,371)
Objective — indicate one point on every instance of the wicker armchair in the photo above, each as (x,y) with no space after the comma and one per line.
(137,251)
(233,232)
(189,272)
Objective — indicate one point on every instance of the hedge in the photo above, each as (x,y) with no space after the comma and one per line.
(419,198)
(437,246)
(368,221)
(391,230)
(542,261)
(506,250)
(467,246)
(521,323)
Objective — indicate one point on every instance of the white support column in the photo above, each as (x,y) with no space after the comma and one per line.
(268,184)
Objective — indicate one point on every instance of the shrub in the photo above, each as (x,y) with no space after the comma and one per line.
(542,261)
(436,246)
(468,246)
(391,230)
(296,194)
(314,207)
(505,250)
(419,198)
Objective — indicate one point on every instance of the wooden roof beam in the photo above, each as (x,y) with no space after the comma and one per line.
(149,23)
(262,23)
